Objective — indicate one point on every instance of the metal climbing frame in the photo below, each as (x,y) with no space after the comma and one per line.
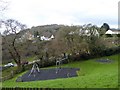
(35,68)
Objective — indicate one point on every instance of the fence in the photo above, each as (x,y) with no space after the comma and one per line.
(8,76)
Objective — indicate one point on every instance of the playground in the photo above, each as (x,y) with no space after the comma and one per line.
(36,73)
(47,74)
(91,74)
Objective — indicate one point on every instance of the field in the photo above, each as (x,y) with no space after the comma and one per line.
(92,74)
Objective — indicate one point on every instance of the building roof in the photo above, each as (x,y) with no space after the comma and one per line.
(113,31)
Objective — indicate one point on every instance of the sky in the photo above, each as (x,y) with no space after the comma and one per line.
(68,12)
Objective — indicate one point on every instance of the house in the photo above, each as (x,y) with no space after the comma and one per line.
(43,38)
(71,33)
(52,37)
(83,32)
(28,36)
(113,31)
(88,32)
(24,37)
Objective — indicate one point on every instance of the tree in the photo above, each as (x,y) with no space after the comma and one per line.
(95,43)
(36,34)
(12,27)
(3,5)
(104,28)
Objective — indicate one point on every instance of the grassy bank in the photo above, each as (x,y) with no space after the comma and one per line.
(92,74)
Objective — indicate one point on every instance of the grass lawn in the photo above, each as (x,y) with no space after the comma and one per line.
(92,74)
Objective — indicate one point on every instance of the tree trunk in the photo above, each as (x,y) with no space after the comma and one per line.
(17,59)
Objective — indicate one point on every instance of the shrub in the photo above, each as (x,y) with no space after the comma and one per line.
(118,35)
(109,35)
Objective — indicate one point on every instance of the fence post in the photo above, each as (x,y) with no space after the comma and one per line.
(12,73)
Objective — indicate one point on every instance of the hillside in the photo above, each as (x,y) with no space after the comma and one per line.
(45,30)
(48,41)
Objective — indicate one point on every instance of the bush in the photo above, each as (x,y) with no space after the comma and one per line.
(118,35)
(109,35)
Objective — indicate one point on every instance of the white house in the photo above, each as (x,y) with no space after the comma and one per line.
(43,38)
(88,32)
(72,33)
(52,37)
(113,31)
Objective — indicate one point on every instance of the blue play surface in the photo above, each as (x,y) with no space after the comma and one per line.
(47,74)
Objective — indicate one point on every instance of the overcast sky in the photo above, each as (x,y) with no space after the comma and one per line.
(68,12)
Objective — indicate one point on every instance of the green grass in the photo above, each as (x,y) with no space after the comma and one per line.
(92,74)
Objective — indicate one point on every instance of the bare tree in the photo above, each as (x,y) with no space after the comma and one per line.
(12,27)
(3,5)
